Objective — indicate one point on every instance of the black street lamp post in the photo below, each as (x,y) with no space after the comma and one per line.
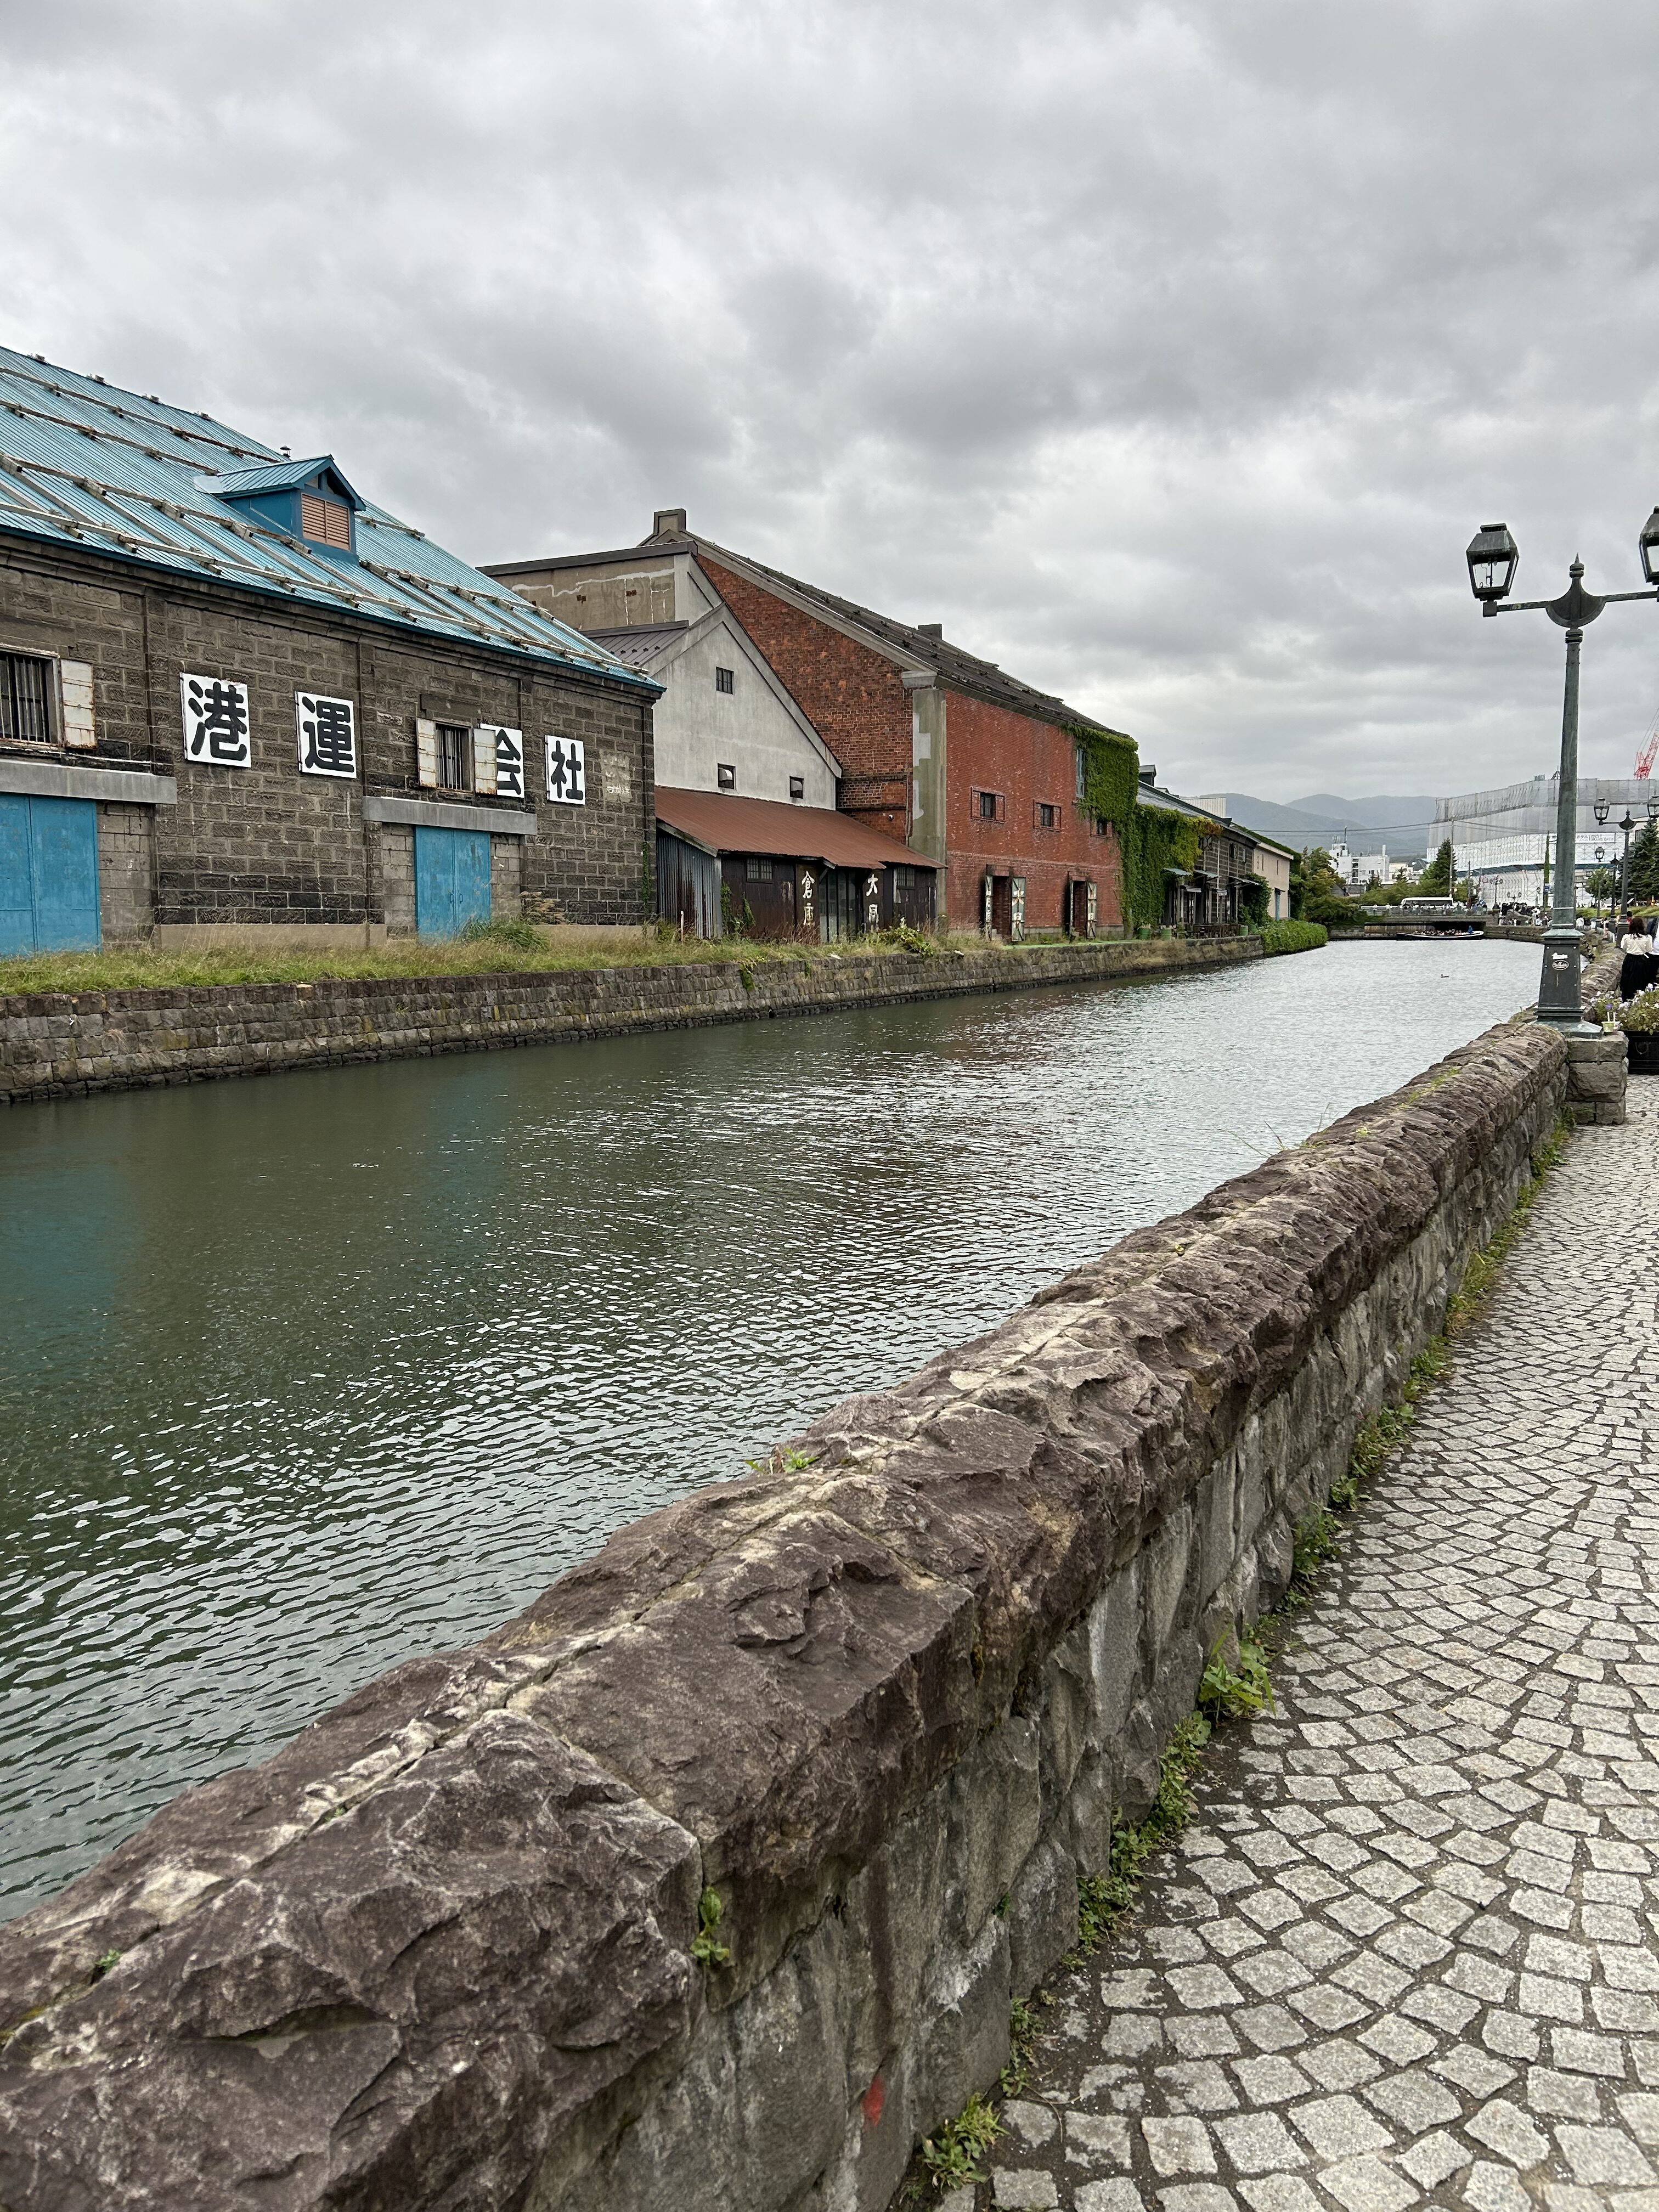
(1626,825)
(1494,558)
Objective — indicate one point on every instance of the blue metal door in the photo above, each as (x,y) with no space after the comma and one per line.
(48,874)
(452,880)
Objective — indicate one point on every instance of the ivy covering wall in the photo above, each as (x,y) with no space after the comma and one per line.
(1151,839)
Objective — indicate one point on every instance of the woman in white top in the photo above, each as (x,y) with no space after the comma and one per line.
(1639,966)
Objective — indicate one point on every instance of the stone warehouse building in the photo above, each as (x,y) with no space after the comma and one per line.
(233,694)
(980,775)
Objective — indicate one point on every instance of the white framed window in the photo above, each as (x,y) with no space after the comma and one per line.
(218,727)
(567,771)
(328,735)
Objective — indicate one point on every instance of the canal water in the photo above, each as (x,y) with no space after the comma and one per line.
(299,1377)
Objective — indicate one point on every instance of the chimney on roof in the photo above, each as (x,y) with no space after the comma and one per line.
(931,629)
(668,522)
(1148,775)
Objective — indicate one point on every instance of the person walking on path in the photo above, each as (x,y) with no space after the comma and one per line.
(1404,1953)
(1639,964)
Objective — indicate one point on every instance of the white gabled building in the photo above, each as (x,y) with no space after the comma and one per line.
(725,721)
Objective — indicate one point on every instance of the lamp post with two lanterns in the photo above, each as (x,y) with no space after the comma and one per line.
(1494,558)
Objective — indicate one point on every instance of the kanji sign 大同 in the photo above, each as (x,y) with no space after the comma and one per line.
(328,735)
(218,729)
(566,773)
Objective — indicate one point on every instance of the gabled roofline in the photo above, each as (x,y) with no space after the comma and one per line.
(840,616)
(665,547)
(1172,803)
(280,476)
(1272,844)
(1039,706)
(722,616)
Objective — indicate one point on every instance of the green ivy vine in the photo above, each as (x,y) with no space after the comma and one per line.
(1149,839)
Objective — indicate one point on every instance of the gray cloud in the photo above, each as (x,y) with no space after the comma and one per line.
(1168,354)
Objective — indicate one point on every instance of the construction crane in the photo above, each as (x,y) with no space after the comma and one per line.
(1645,758)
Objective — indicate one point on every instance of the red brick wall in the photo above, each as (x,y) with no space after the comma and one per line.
(994,748)
(851,696)
(854,697)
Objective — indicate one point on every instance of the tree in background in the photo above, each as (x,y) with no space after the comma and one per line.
(1644,863)
(1436,881)
(1316,892)
(1602,882)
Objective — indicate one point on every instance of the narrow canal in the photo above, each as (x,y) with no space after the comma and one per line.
(301,1376)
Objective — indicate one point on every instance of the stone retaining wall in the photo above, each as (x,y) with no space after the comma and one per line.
(454,1948)
(62,1044)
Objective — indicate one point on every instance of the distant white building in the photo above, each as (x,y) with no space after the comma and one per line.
(1498,837)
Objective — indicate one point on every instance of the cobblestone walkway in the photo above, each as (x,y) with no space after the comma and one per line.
(1406,1951)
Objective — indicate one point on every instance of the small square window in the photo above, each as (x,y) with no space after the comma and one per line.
(725,680)
(758,870)
(985,805)
(726,775)
(798,786)
(1048,817)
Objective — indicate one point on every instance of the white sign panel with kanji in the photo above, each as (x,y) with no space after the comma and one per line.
(509,762)
(566,772)
(328,735)
(217,730)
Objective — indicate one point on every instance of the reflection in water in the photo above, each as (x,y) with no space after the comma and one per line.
(298,1378)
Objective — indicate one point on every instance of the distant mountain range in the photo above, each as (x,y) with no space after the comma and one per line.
(1404,825)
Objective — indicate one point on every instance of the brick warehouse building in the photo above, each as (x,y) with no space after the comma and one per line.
(232,693)
(974,771)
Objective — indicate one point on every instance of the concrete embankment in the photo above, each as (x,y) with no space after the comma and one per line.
(63,1044)
(709,1881)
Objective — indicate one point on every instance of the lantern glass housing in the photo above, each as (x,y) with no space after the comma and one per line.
(1494,558)
(1649,542)
(1653,807)
(1603,808)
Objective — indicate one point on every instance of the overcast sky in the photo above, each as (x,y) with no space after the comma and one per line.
(1169,354)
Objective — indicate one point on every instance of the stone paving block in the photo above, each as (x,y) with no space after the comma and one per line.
(1410,1946)
(1019,2189)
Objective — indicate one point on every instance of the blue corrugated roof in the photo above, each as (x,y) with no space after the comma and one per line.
(85,463)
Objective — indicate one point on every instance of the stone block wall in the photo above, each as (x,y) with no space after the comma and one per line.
(881,1700)
(57,1044)
(268,845)
(126,862)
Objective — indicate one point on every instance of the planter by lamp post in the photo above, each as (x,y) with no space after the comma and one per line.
(1494,558)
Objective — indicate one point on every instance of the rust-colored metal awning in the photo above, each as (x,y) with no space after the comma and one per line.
(719,822)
